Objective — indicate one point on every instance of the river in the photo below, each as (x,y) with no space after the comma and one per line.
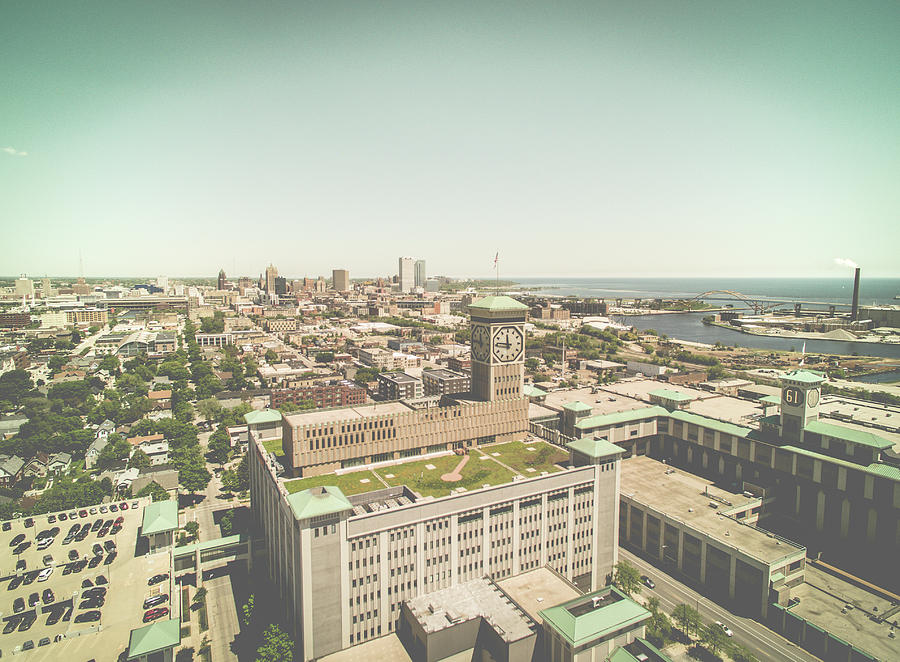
(690,326)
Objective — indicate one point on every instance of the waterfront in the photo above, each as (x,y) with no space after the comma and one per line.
(690,326)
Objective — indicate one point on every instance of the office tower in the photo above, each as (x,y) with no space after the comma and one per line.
(271,275)
(406,274)
(24,286)
(162,282)
(280,285)
(340,279)
(220,285)
(420,273)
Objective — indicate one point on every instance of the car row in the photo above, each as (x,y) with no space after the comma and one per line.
(29,522)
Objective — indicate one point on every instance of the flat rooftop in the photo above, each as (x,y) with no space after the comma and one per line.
(686,497)
(479,598)
(600,402)
(388,648)
(727,408)
(398,377)
(538,589)
(641,388)
(317,416)
(823,596)
(442,373)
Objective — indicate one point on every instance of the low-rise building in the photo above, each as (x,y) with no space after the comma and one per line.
(445,382)
(338,393)
(399,386)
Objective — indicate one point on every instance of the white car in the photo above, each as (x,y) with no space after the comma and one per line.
(725,629)
(45,574)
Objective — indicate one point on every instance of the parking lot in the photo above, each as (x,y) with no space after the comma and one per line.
(57,627)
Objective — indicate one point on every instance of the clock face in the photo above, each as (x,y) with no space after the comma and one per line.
(508,344)
(481,343)
(792,396)
(812,398)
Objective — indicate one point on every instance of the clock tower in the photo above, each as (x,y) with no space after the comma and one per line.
(800,392)
(498,348)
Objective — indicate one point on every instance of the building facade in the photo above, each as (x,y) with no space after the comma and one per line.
(445,382)
(406,274)
(340,279)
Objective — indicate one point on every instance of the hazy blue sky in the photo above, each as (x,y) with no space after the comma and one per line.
(626,139)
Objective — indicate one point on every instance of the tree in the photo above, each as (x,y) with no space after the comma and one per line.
(116,449)
(210,409)
(688,618)
(627,578)
(110,363)
(324,357)
(247,611)
(740,653)
(219,446)
(154,490)
(713,638)
(193,475)
(192,528)
(14,386)
(271,356)
(277,646)
(139,460)
(200,596)
(226,524)
(56,362)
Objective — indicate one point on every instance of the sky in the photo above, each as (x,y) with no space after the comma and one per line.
(576,139)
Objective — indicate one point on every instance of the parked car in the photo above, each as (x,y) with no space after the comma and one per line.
(29,577)
(48,559)
(82,513)
(97,524)
(29,522)
(73,514)
(153,614)
(33,599)
(92,603)
(14,583)
(134,504)
(54,616)
(28,645)
(22,547)
(11,625)
(86,583)
(97,549)
(92,511)
(102,532)
(109,545)
(156,579)
(113,508)
(73,554)
(82,534)
(154,600)
(51,519)
(45,641)
(73,530)
(47,596)
(95,561)
(45,574)
(647,581)
(104,509)
(7,526)
(44,543)
(115,529)
(96,591)
(112,557)
(20,565)
(123,505)
(63,517)
(101,580)
(28,620)
(725,629)
(17,540)
(18,605)
(88,616)
(119,520)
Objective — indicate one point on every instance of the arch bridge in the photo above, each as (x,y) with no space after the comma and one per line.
(759,306)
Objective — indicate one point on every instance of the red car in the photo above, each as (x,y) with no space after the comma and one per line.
(119,520)
(156,612)
(82,513)
(123,506)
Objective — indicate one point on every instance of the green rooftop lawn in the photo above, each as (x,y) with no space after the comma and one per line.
(427,482)
(348,483)
(516,455)
(273,446)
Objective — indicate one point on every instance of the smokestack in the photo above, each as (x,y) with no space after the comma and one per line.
(854,310)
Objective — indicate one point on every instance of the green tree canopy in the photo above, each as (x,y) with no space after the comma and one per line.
(155,491)
(276,646)
(627,578)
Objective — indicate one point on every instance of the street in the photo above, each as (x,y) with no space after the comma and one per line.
(764,643)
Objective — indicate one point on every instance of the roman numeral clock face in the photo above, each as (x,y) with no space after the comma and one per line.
(508,344)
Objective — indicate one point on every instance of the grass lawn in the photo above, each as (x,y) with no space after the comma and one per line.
(273,446)
(348,483)
(516,455)
(427,482)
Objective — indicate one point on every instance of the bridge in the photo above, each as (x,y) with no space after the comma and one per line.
(761,305)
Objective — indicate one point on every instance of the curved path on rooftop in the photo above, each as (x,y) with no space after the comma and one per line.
(456,474)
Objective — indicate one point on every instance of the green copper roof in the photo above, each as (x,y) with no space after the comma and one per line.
(669,394)
(530,391)
(885,470)
(594,623)
(154,637)
(621,655)
(860,437)
(262,416)
(159,517)
(712,423)
(498,303)
(602,420)
(595,448)
(578,405)
(805,376)
(318,501)
(771,400)
(186,550)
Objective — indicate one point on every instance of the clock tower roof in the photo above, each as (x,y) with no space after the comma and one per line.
(498,303)
(805,376)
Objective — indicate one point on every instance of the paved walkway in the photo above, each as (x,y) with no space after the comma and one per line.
(456,474)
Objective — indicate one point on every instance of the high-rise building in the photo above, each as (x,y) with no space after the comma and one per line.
(24,287)
(162,282)
(271,275)
(420,273)
(220,285)
(406,274)
(280,285)
(340,279)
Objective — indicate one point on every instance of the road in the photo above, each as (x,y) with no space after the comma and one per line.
(764,643)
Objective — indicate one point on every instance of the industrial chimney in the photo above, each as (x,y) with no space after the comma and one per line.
(854,310)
